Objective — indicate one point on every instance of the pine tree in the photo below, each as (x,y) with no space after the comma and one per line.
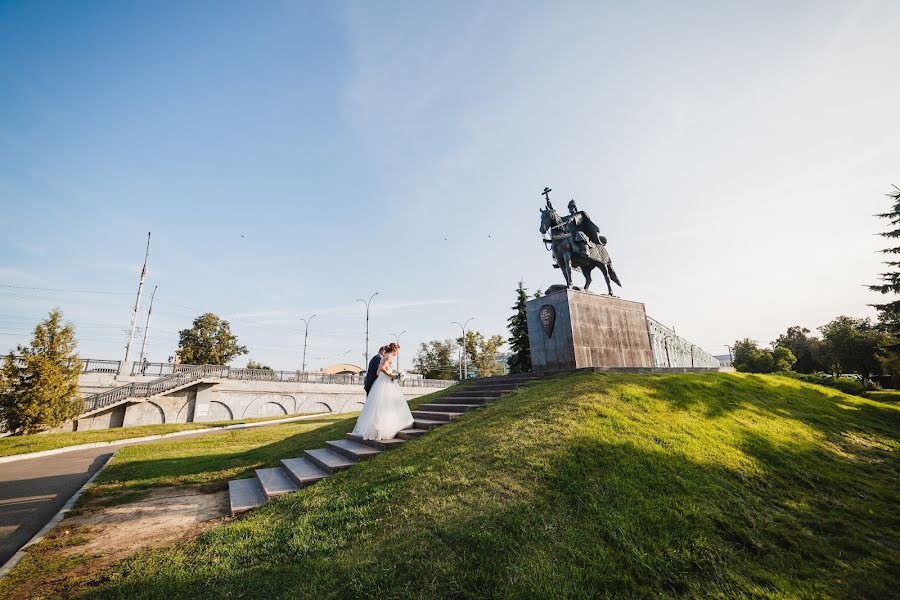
(520,361)
(889,313)
(39,388)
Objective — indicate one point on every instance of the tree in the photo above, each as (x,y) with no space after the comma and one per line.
(208,342)
(252,364)
(783,359)
(482,352)
(520,359)
(803,346)
(889,312)
(39,389)
(854,346)
(434,359)
(750,358)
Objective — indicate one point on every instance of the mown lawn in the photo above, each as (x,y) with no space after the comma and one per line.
(212,459)
(591,485)
(22,444)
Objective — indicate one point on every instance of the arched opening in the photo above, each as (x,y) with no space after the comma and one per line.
(219,411)
(273,409)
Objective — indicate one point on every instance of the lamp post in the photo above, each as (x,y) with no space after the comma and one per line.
(397,337)
(463,368)
(367,302)
(306,322)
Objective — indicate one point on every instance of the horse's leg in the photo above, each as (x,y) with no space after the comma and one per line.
(605,272)
(586,270)
(567,268)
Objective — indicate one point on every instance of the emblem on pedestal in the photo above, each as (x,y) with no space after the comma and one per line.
(547,314)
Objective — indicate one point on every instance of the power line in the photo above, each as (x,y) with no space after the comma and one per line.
(42,289)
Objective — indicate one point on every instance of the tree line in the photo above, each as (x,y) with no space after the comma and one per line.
(847,345)
(39,381)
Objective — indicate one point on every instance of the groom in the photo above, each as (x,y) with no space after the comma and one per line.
(372,371)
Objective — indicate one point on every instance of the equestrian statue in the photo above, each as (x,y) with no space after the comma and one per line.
(575,242)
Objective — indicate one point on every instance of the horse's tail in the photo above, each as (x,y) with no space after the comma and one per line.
(612,274)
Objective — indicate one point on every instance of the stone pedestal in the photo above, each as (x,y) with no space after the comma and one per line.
(573,329)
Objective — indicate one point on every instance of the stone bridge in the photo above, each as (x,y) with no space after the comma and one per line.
(235,394)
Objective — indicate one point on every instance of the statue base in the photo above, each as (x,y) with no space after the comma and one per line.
(574,329)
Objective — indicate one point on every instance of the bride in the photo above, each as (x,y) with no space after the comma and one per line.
(385,411)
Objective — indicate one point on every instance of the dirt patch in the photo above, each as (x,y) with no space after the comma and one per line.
(68,559)
(164,516)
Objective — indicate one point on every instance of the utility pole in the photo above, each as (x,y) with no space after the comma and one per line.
(464,368)
(730,355)
(397,339)
(367,303)
(125,367)
(147,325)
(305,334)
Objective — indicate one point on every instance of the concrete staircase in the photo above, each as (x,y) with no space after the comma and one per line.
(337,455)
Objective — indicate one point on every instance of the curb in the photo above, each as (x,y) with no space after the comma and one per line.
(18,556)
(150,438)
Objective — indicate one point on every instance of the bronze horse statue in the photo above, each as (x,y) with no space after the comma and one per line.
(576,243)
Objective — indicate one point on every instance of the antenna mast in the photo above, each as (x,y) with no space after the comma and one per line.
(125,368)
(147,325)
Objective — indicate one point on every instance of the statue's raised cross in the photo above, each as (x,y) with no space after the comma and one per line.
(546,193)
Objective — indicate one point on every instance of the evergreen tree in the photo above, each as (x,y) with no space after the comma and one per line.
(39,388)
(208,342)
(889,312)
(520,361)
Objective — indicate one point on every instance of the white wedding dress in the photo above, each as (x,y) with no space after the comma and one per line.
(385,411)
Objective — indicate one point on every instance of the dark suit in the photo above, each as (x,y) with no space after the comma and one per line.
(372,373)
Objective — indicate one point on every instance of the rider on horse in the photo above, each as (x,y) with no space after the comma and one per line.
(586,238)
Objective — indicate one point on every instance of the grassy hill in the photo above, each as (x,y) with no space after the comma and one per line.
(589,485)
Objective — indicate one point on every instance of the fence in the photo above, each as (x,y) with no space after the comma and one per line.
(671,350)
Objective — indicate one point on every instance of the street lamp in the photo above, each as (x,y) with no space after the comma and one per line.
(397,338)
(367,302)
(463,367)
(306,322)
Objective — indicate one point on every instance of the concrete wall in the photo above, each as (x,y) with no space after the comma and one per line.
(226,399)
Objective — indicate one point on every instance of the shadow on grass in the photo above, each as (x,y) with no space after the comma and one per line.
(530,498)
(612,521)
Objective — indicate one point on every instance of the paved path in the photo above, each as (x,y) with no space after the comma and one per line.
(33,490)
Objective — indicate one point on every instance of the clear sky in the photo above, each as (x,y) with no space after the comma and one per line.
(290,157)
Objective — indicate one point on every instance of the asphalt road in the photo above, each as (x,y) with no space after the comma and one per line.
(34,489)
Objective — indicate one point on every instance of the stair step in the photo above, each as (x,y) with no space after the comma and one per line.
(411,434)
(485,391)
(303,471)
(380,444)
(329,460)
(427,424)
(352,450)
(244,494)
(435,415)
(454,399)
(459,408)
(275,482)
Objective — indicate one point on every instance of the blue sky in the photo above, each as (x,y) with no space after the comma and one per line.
(291,157)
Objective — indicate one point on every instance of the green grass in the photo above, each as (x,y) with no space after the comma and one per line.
(212,459)
(591,485)
(22,444)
